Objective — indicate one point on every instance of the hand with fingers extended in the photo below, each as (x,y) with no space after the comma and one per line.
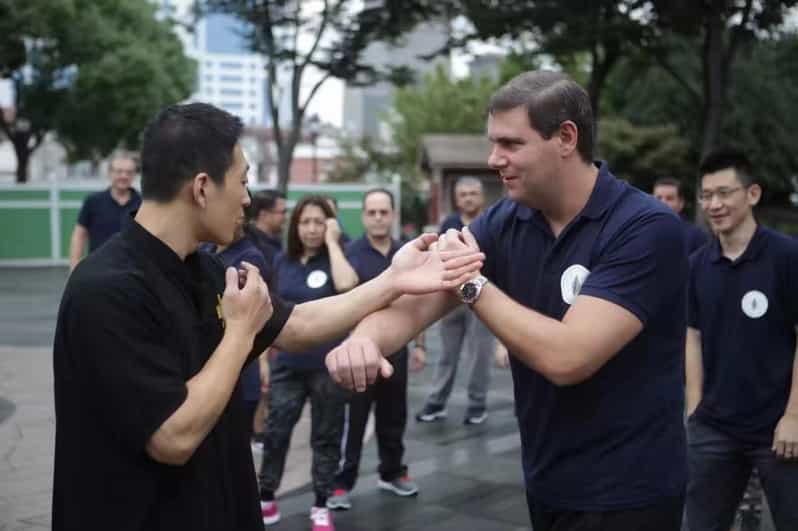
(355,363)
(785,438)
(422,267)
(246,305)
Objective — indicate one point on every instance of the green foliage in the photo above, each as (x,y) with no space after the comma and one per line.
(437,105)
(641,154)
(762,118)
(141,69)
(93,71)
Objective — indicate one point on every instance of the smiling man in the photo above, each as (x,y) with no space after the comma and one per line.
(585,283)
(152,336)
(742,368)
(103,214)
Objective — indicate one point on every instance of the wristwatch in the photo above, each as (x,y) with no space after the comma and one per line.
(470,290)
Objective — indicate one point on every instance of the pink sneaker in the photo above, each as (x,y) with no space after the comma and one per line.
(270,512)
(322,519)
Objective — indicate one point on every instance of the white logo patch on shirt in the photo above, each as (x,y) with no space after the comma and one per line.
(571,282)
(316,279)
(754,304)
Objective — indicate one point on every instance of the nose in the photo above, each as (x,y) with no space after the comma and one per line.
(496,160)
(247,198)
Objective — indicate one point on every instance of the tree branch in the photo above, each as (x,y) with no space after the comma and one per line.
(736,36)
(319,34)
(663,63)
(313,91)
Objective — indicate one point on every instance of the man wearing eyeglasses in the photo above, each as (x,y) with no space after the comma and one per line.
(742,375)
(103,214)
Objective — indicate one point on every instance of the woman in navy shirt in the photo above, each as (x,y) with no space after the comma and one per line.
(313,267)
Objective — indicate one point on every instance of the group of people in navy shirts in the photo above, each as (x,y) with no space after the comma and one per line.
(654,363)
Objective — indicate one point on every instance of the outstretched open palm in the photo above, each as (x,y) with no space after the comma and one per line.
(421,267)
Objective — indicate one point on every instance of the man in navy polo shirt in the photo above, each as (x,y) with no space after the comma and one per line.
(669,191)
(269,209)
(370,256)
(742,376)
(103,214)
(585,282)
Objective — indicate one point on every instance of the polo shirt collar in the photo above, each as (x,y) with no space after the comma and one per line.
(155,250)
(752,251)
(604,194)
(365,243)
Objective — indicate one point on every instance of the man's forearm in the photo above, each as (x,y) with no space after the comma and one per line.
(317,322)
(792,403)
(566,352)
(76,246)
(209,392)
(694,370)
(392,327)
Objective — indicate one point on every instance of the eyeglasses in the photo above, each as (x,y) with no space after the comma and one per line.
(705,196)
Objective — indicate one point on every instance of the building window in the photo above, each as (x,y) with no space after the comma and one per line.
(232,106)
(230,65)
(231,92)
(231,79)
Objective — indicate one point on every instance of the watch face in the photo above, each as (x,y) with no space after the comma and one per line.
(468,291)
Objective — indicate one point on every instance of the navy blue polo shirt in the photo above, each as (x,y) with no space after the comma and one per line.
(746,310)
(452,221)
(244,250)
(103,217)
(368,262)
(615,441)
(695,237)
(298,283)
(269,246)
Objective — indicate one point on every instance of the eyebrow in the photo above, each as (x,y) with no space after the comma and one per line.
(505,139)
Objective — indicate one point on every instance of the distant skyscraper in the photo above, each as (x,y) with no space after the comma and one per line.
(228,75)
(363,106)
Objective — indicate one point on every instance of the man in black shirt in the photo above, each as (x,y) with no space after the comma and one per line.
(152,336)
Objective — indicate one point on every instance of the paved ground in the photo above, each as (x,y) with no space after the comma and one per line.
(470,478)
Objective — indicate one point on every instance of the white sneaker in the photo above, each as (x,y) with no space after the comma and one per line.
(322,519)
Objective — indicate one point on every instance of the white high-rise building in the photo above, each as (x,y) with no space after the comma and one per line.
(229,75)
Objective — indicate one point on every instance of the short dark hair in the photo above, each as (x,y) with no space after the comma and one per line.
(373,191)
(729,158)
(294,244)
(670,181)
(550,98)
(265,200)
(182,141)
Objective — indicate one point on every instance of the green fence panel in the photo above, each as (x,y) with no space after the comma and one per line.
(25,233)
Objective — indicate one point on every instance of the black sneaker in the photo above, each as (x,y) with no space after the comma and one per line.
(431,414)
(472,419)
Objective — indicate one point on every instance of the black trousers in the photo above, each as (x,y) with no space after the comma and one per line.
(389,397)
(666,515)
(290,388)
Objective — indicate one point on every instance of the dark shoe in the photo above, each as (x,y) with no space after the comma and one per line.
(403,486)
(472,419)
(431,414)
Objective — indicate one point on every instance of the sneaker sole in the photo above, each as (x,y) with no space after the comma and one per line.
(384,485)
(471,421)
(338,505)
(271,520)
(432,417)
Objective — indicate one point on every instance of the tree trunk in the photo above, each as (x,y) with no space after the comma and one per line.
(23,152)
(285,156)
(714,84)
